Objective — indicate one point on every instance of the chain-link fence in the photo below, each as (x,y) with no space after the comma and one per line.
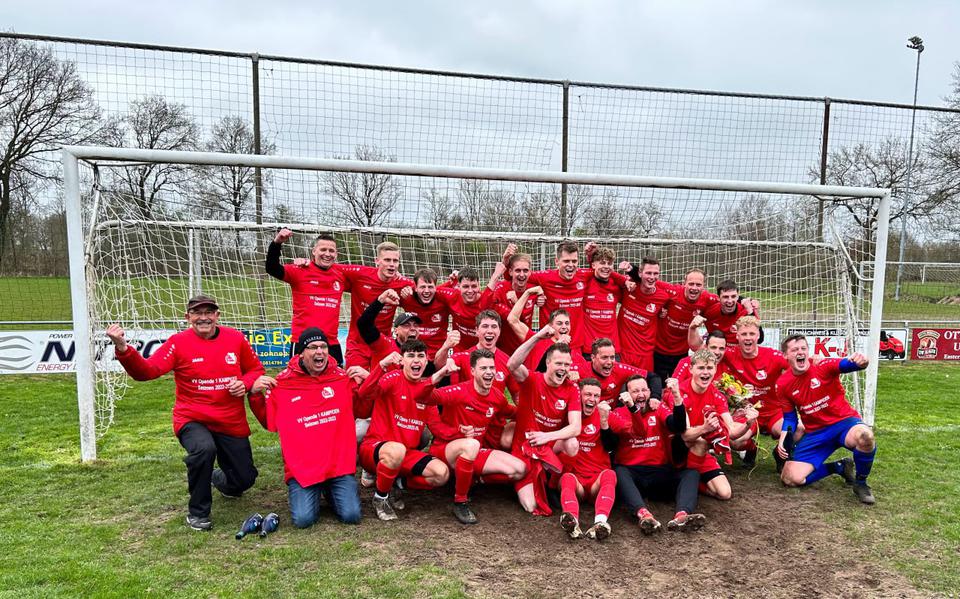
(183,98)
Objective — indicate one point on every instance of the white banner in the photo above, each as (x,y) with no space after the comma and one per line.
(832,343)
(41,352)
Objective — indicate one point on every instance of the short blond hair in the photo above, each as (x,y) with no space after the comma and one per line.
(387,246)
(703,355)
(747,321)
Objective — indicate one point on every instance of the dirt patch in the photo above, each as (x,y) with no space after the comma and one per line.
(767,541)
(950,300)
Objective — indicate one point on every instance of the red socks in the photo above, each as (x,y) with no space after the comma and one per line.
(568,494)
(607,493)
(463,468)
(385,478)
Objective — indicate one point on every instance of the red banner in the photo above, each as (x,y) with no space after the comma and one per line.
(935,344)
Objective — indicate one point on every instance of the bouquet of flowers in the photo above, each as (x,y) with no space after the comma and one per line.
(738,395)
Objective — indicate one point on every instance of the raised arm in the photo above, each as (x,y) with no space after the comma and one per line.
(273,266)
(694,340)
(140,369)
(513,319)
(515,364)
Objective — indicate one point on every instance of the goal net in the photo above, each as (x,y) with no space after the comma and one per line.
(149,229)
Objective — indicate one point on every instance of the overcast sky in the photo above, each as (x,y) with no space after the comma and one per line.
(849,49)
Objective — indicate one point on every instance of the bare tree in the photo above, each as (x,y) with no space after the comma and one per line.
(363,199)
(43,105)
(230,188)
(943,149)
(441,210)
(156,124)
(611,215)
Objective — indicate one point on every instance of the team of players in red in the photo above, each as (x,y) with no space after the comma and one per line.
(589,417)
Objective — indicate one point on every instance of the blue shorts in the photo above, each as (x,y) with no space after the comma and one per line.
(814,448)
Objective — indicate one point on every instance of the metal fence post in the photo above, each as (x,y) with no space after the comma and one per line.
(564,155)
(258,176)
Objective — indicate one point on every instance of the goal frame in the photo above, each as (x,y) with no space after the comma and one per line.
(79,259)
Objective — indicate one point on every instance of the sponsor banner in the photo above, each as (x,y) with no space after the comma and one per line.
(935,344)
(41,352)
(832,343)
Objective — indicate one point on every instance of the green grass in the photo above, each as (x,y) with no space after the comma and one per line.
(116,528)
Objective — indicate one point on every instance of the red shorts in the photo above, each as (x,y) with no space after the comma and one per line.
(491,438)
(413,462)
(705,465)
(640,360)
(587,480)
(767,420)
(439,451)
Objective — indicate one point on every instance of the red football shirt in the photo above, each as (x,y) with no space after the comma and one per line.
(672,331)
(638,322)
(309,412)
(465,315)
(434,320)
(542,407)
(561,293)
(817,394)
(399,411)
(502,380)
(509,341)
(718,321)
(592,459)
(694,402)
(600,299)
(202,370)
(463,406)
(761,372)
(317,293)
(644,437)
(366,286)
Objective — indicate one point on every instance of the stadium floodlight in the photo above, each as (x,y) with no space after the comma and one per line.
(137,264)
(914,43)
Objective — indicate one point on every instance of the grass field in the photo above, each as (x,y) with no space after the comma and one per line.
(116,528)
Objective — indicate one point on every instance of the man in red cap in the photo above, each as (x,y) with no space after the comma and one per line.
(214,368)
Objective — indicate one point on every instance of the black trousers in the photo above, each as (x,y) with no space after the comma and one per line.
(664,364)
(657,482)
(232,454)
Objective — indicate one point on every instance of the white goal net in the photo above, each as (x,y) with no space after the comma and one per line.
(149,229)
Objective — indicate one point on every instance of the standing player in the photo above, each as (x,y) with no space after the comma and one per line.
(548,418)
(499,433)
(469,409)
(563,289)
(317,288)
(602,292)
(705,405)
(643,462)
(430,307)
(507,292)
(639,315)
(466,301)
(723,315)
(398,418)
(816,392)
(213,367)
(366,284)
(312,405)
(671,346)
(590,474)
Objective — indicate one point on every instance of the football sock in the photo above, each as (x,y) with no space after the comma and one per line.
(606,494)
(385,478)
(568,494)
(863,462)
(463,469)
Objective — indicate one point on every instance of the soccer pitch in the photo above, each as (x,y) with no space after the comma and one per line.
(115,528)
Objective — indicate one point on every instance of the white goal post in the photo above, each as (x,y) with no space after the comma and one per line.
(80,232)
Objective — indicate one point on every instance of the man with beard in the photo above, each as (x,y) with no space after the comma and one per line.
(312,405)
(815,391)
(705,405)
(548,418)
(639,315)
(642,458)
(589,474)
(671,345)
(611,374)
(399,415)
(499,433)
(469,409)
(316,288)
(213,367)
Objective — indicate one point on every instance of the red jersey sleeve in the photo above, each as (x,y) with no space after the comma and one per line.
(620,422)
(160,363)
(250,365)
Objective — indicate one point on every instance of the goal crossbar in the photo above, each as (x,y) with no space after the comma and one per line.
(72,155)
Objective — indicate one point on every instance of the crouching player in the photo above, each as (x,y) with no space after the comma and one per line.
(548,418)
(816,392)
(312,405)
(399,415)
(469,409)
(643,461)
(590,473)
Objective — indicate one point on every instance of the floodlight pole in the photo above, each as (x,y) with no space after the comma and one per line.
(915,43)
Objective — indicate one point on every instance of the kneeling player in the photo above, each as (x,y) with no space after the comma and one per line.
(548,418)
(590,473)
(816,392)
(469,409)
(643,463)
(399,415)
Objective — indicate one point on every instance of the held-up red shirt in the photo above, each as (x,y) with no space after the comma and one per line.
(202,369)
(314,417)
(817,394)
(644,437)
(463,406)
(399,411)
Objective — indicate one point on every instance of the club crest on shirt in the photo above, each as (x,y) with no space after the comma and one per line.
(589,429)
(230,358)
(489,411)
(560,405)
(814,383)
(435,318)
(652,420)
(327,392)
(579,284)
(499,376)
(609,297)
(336,285)
(611,385)
(761,374)
(651,308)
